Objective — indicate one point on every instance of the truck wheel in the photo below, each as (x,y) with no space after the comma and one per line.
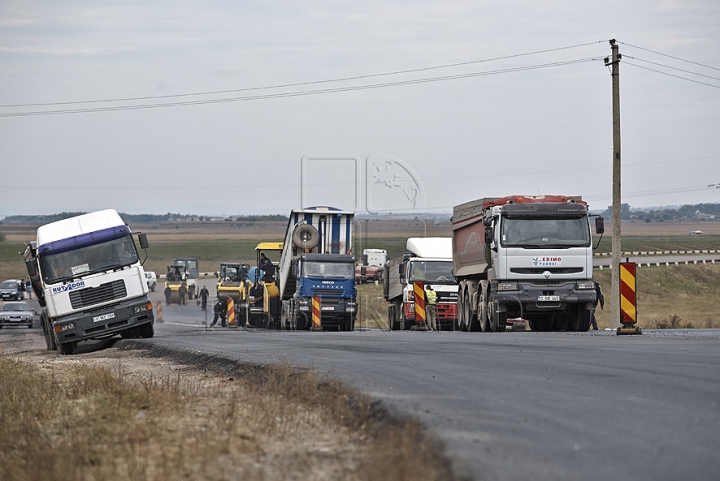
(47,331)
(147,330)
(67,348)
(461,310)
(391,318)
(584,319)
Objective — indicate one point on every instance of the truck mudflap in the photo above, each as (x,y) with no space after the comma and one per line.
(104,322)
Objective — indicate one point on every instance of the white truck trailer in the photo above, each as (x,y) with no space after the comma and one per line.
(524,257)
(427,260)
(89,280)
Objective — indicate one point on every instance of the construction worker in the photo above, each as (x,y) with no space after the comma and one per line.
(182,292)
(599,297)
(204,294)
(430,302)
(168,295)
(220,310)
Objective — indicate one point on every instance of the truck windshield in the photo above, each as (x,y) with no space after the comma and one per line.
(431,271)
(545,232)
(114,254)
(329,269)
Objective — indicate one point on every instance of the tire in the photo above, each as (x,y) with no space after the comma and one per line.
(584,319)
(67,348)
(391,318)
(462,323)
(147,330)
(50,342)
(305,236)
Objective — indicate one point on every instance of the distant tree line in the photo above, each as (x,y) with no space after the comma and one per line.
(702,212)
(141,218)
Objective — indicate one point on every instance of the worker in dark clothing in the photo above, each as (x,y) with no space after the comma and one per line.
(204,293)
(264,261)
(182,292)
(220,312)
(599,297)
(168,295)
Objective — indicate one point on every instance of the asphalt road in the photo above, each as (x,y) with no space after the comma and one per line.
(518,405)
(513,405)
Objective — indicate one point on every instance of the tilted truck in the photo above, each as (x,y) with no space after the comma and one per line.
(427,260)
(317,265)
(524,257)
(89,281)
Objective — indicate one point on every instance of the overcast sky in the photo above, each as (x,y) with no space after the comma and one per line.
(407,146)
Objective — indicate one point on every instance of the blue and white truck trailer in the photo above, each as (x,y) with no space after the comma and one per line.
(89,281)
(317,267)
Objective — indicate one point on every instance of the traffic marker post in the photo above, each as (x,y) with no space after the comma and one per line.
(419,295)
(628,299)
(316,320)
(231,313)
(158,312)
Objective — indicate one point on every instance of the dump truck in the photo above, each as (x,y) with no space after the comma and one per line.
(316,273)
(427,260)
(88,278)
(372,267)
(524,257)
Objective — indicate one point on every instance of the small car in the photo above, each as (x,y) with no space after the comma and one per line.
(151,279)
(16,314)
(12,289)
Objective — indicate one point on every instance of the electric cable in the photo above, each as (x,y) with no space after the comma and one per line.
(315,82)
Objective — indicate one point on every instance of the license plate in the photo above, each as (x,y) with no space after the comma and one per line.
(104,317)
(548,298)
(329,308)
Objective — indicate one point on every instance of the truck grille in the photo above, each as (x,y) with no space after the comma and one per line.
(96,295)
(552,270)
(328,292)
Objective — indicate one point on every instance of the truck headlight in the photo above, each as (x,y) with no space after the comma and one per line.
(508,286)
(586,285)
(142,308)
(65,327)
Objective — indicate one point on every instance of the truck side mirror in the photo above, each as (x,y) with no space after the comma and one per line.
(143,241)
(488,235)
(401,270)
(30,265)
(363,270)
(599,225)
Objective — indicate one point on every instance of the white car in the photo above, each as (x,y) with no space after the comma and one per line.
(151,279)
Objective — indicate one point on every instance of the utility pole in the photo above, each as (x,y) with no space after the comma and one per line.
(615,66)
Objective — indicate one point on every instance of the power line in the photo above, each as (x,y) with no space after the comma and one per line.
(300,93)
(672,68)
(670,56)
(672,75)
(315,82)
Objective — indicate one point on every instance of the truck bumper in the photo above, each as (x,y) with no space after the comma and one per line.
(544,298)
(104,322)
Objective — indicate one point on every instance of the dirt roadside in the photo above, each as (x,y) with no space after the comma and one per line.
(238,421)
